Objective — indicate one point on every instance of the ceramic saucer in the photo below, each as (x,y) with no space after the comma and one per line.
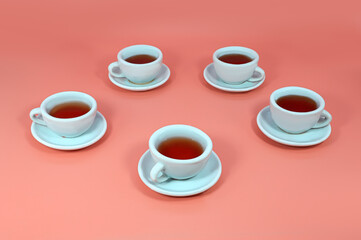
(213,79)
(47,137)
(162,77)
(180,188)
(270,129)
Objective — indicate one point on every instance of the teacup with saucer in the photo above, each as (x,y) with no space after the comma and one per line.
(162,171)
(139,68)
(234,69)
(295,117)
(68,121)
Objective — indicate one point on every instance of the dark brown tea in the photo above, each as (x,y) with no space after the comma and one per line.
(69,110)
(296,103)
(235,58)
(141,59)
(180,148)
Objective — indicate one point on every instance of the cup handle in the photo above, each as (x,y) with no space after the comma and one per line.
(36,116)
(257,76)
(158,168)
(324,120)
(114,70)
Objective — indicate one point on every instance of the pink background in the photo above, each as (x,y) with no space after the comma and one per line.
(266,191)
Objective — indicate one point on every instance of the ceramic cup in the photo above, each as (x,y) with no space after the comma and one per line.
(66,127)
(298,122)
(137,73)
(166,167)
(237,73)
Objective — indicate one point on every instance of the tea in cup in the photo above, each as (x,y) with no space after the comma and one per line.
(235,65)
(297,109)
(68,114)
(138,63)
(179,151)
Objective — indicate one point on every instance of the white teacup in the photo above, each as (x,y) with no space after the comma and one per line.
(237,73)
(137,73)
(176,168)
(66,127)
(298,122)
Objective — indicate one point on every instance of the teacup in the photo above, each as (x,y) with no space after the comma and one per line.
(295,121)
(66,127)
(167,167)
(138,73)
(237,73)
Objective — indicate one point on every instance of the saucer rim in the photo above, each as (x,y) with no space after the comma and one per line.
(155,188)
(73,147)
(232,89)
(141,88)
(287,142)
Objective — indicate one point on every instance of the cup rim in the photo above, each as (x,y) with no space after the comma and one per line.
(49,98)
(121,59)
(320,100)
(239,48)
(207,151)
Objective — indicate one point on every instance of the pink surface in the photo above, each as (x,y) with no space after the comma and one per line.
(266,191)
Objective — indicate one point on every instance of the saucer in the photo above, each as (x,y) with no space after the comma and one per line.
(270,129)
(124,83)
(214,80)
(47,137)
(204,180)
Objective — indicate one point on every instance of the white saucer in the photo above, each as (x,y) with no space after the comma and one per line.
(162,77)
(180,188)
(47,137)
(214,80)
(270,129)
